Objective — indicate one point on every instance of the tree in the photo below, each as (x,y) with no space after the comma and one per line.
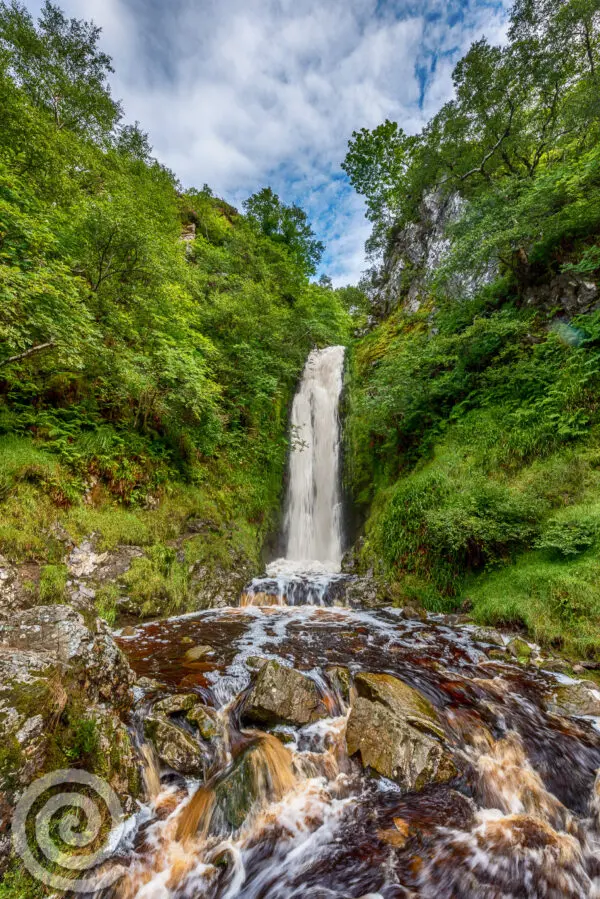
(60,67)
(287,225)
(134,142)
(376,164)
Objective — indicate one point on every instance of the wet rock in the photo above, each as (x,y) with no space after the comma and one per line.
(581,698)
(487,635)
(359,593)
(283,695)
(397,733)
(179,702)
(174,746)
(198,653)
(215,587)
(262,774)
(261,599)
(341,681)
(414,613)
(204,719)
(255,663)
(520,650)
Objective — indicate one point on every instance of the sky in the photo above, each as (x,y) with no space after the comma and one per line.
(240,94)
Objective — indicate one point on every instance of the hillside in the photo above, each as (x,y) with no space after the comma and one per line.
(151,336)
(473,435)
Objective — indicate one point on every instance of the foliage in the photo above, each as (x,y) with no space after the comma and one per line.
(287,225)
(520,131)
(53,584)
(136,368)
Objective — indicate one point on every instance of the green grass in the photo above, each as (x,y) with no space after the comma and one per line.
(558,603)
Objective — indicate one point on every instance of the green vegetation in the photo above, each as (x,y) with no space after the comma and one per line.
(145,379)
(474,424)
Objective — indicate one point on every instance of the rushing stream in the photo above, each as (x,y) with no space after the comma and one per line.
(288,710)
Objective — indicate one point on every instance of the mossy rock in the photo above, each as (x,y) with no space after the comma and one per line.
(397,733)
(283,695)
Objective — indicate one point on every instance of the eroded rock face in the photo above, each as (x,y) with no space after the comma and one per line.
(397,733)
(419,248)
(567,293)
(58,674)
(86,654)
(283,695)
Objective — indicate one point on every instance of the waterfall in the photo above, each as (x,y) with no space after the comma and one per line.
(313,519)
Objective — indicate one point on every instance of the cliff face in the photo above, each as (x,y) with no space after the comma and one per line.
(416,252)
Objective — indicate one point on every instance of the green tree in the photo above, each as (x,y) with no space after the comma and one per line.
(287,225)
(60,66)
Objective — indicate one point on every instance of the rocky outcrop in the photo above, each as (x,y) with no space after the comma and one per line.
(282,695)
(359,593)
(579,698)
(418,249)
(84,653)
(397,733)
(61,677)
(567,294)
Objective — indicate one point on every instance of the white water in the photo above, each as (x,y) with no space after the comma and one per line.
(313,520)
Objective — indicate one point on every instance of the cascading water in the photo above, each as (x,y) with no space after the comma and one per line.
(313,519)
(336,753)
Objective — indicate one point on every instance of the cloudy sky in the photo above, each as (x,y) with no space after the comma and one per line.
(243,93)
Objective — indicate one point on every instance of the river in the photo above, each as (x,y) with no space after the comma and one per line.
(340,752)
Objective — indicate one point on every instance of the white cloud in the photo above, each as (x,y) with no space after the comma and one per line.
(243,93)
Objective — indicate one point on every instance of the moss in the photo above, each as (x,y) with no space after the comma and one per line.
(11,760)
(17,883)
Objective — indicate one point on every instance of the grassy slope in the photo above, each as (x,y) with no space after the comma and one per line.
(477,490)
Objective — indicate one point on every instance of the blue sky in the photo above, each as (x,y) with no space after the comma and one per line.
(239,94)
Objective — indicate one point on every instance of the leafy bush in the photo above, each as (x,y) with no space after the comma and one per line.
(567,538)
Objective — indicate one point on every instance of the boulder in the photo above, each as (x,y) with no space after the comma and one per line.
(86,653)
(204,719)
(175,704)
(397,733)
(487,635)
(197,653)
(174,746)
(581,698)
(263,773)
(520,650)
(283,695)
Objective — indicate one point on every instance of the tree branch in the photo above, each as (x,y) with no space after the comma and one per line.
(480,169)
(30,352)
